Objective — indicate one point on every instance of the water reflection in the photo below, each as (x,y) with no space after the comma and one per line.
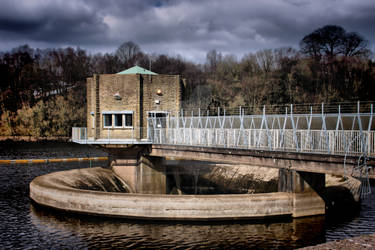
(99,232)
(25,227)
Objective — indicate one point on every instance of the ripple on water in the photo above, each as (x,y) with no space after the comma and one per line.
(104,233)
(362,223)
(27,227)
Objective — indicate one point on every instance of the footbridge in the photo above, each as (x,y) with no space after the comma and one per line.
(337,142)
(303,143)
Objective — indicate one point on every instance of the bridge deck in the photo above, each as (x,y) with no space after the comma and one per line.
(308,162)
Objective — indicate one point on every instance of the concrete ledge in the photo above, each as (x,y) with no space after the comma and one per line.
(34,161)
(47,190)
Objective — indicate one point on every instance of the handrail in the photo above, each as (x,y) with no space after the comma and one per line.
(131,135)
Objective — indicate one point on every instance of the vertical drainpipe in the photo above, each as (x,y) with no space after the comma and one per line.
(97,107)
(138,134)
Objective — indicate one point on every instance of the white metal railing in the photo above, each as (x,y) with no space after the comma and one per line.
(315,141)
(333,133)
(79,134)
(134,135)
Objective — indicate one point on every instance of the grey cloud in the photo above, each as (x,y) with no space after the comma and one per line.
(55,23)
(190,28)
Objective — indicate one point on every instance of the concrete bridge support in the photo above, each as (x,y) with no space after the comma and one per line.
(307,190)
(143,173)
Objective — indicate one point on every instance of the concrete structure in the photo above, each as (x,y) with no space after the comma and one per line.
(144,174)
(118,105)
(307,190)
(135,107)
(49,190)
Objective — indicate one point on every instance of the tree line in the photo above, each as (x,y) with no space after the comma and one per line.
(43,91)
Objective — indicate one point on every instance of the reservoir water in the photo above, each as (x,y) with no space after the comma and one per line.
(27,226)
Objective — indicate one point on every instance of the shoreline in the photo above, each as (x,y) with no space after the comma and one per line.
(359,242)
(23,138)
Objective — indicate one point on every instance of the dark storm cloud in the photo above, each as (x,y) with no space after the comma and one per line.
(189,28)
(54,22)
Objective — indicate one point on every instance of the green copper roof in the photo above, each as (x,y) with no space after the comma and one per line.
(136,70)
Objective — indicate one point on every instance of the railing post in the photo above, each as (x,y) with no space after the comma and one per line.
(338,148)
(369,130)
(282,134)
(224,137)
(160,140)
(294,128)
(360,128)
(324,128)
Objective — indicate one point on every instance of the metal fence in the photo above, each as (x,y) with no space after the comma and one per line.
(316,108)
(314,141)
(332,133)
(79,134)
(134,135)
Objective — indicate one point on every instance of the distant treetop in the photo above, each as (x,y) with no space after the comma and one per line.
(333,40)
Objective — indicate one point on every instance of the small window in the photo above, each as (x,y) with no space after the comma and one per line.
(118,120)
(128,120)
(107,118)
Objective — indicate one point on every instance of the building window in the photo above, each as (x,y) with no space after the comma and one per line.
(117,119)
(128,120)
(107,120)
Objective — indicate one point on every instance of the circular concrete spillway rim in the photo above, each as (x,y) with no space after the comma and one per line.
(47,191)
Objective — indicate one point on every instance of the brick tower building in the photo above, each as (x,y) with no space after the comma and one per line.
(118,104)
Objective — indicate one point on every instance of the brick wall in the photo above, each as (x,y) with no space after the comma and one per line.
(169,100)
(170,97)
(128,88)
(138,94)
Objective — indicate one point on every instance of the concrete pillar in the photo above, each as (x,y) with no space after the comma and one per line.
(307,190)
(151,175)
(143,174)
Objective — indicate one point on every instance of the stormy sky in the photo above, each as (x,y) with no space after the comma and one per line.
(188,28)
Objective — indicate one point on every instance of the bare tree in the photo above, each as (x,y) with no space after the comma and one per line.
(355,44)
(265,59)
(213,58)
(128,53)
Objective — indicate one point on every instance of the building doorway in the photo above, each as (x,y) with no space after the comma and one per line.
(156,126)
(158,119)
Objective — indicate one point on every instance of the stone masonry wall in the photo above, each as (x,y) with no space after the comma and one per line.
(170,98)
(128,88)
(139,93)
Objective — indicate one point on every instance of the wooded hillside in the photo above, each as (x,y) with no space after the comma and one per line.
(43,91)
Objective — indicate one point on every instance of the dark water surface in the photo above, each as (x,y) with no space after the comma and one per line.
(26,226)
